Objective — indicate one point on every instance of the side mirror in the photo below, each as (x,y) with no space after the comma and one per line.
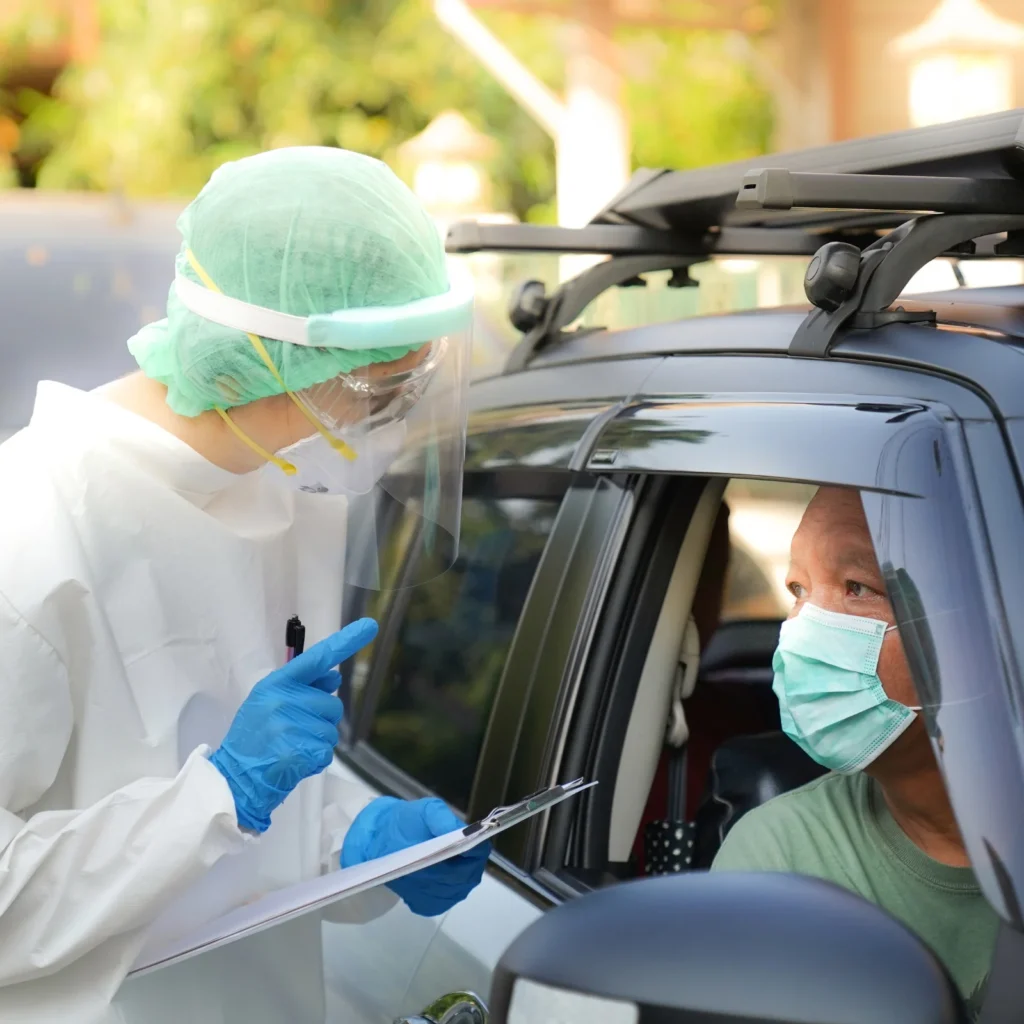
(688,949)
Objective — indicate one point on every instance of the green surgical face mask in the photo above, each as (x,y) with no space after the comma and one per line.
(830,697)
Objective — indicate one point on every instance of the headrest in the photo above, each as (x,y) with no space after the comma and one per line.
(747,771)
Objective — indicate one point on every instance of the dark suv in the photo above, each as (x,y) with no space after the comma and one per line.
(629,500)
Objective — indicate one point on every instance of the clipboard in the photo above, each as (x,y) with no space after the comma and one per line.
(316,893)
(502,818)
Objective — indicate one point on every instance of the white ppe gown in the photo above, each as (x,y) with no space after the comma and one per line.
(143,592)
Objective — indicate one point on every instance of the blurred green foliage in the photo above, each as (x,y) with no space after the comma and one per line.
(179,86)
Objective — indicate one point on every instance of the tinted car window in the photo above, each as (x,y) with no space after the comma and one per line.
(443,672)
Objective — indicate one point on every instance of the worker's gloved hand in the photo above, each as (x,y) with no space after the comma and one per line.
(287,728)
(388,825)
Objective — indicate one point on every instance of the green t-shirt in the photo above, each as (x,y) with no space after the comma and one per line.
(839,829)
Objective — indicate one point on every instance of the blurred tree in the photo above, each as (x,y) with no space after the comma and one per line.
(176,88)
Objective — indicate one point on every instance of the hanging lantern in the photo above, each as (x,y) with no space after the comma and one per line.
(960,62)
(449,160)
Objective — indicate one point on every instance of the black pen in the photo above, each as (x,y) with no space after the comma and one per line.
(295,637)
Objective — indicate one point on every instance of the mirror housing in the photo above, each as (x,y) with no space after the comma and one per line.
(686,949)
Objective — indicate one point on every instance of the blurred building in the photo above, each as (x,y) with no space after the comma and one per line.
(39,38)
(837,69)
(840,69)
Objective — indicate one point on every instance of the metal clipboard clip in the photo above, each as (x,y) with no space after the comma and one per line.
(504,817)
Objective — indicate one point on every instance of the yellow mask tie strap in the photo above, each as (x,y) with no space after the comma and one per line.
(261,350)
(286,467)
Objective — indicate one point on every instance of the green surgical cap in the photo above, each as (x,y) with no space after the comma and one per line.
(306,230)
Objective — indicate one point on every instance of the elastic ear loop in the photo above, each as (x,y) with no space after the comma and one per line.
(286,467)
(909,707)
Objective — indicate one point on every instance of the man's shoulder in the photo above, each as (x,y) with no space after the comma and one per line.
(793,831)
(828,795)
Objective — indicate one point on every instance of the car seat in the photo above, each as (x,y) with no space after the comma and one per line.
(736,756)
(747,771)
(733,695)
(663,801)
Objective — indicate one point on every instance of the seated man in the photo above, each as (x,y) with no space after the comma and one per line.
(880,824)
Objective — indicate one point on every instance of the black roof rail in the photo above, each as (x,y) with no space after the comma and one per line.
(693,203)
(629,240)
(783,189)
(980,147)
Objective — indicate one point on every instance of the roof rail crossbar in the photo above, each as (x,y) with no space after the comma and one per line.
(550,315)
(855,289)
(628,240)
(604,239)
(781,189)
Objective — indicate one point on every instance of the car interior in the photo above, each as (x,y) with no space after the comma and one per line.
(704,745)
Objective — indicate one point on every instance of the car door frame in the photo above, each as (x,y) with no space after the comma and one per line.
(740,380)
(555,627)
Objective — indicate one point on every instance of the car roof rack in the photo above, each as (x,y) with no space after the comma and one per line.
(871,212)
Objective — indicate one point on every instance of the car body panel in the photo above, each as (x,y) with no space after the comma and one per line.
(748,432)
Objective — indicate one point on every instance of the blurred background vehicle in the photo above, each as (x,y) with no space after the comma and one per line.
(79,274)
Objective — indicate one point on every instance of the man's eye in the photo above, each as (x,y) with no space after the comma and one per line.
(855,589)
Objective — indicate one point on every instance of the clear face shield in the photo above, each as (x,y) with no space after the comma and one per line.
(404,427)
(387,441)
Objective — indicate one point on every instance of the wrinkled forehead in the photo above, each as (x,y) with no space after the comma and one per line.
(834,532)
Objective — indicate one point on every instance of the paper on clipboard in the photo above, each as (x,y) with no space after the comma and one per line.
(305,897)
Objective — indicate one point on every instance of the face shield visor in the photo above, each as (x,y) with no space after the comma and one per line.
(386,443)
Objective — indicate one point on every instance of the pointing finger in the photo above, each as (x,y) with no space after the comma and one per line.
(312,666)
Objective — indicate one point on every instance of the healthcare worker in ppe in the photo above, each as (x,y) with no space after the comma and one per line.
(159,764)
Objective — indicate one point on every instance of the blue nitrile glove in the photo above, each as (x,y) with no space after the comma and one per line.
(287,728)
(388,825)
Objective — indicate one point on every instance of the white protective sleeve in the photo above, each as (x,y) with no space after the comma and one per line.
(78,887)
(344,799)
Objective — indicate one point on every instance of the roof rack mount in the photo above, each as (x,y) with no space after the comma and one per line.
(856,289)
(542,318)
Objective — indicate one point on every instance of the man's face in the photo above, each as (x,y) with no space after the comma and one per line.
(833,565)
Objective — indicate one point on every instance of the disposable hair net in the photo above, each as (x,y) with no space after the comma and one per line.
(305,231)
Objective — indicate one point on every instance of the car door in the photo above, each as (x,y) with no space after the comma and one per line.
(438,700)
(923,452)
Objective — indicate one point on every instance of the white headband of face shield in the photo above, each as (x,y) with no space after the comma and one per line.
(413,323)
